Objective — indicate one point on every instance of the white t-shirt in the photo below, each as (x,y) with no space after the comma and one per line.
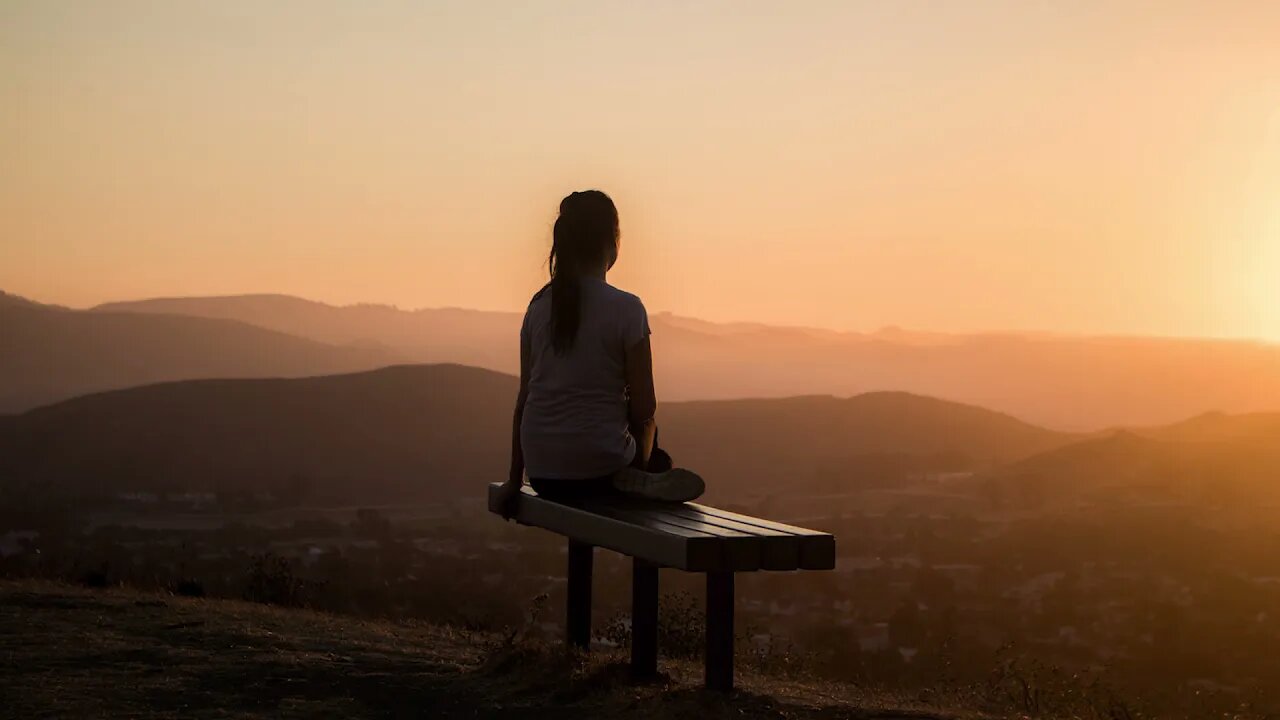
(575,417)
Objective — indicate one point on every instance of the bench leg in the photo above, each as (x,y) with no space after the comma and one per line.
(578,603)
(644,619)
(719,672)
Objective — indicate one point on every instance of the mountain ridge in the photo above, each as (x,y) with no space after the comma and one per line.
(444,430)
(1061,381)
(52,353)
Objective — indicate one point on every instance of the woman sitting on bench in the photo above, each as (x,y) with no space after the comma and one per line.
(584,418)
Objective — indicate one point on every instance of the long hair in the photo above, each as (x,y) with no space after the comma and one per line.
(585,236)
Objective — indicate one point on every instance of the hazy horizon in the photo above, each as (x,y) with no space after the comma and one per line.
(1098,168)
(887,327)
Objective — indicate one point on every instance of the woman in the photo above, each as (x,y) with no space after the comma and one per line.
(584,417)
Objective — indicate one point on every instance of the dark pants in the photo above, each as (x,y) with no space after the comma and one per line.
(560,489)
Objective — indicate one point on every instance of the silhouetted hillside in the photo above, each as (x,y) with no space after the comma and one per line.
(48,354)
(1217,426)
(1202,468)
(9,300)
(1059,381)
(466,337)
(828,441)
(444,430)
(398,432)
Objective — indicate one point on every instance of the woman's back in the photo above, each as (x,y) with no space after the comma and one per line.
(575,421)
(584,417)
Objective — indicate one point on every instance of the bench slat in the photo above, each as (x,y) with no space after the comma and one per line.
(778,550)
(655,522)
(758,522)
(672,518)
(739,551)
(682,548)
(691,512)
(817,549)
(624,537)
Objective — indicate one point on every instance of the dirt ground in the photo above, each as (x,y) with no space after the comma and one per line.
(78,653)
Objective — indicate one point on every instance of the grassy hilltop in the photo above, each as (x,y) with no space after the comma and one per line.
(66,651)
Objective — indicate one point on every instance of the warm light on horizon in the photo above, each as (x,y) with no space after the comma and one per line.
(1089,167)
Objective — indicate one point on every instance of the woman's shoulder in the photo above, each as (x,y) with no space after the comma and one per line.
(538,306)
(544,291)
(621,296)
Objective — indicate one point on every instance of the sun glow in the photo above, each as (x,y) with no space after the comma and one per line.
(1260,239)
(1003,165)
(1264,279)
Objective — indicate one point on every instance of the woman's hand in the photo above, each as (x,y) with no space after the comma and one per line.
(509,499)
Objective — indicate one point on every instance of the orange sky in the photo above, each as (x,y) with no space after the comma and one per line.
(1073,166)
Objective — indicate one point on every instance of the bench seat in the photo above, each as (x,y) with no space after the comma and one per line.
(687,536)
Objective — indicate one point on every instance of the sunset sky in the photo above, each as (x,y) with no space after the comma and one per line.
(1108,167)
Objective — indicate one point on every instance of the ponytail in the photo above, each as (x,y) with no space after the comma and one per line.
(583,234)
(566,293)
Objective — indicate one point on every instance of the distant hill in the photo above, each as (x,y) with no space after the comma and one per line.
(828,442)
(1221,427)
(9,300)
(1186,462)
(401,431)
(49,354)
(466,337)
(444,430)
(1063,382)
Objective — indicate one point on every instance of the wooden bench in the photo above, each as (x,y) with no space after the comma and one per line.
(687,536)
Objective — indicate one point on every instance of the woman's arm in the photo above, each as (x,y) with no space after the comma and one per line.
(517,453)
(642,400)
(516,476)
(515,479)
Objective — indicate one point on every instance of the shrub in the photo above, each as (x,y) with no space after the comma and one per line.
(272,581)
(682,627)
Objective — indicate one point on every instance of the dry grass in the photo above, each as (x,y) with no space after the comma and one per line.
(73,652)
